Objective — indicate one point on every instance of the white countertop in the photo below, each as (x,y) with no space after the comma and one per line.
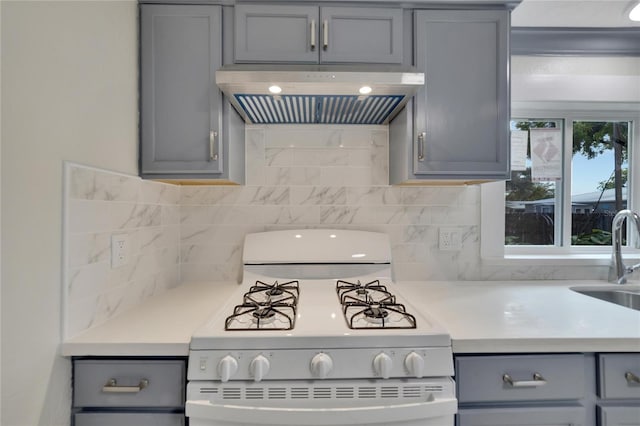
(161,326)
(527,316)
(482,317)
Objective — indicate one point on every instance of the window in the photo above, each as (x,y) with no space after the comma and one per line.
(571,172)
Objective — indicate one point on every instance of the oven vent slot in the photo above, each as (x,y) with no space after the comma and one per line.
(345,393)
(411,392)
(321,393)
(389,392)
(277,393)
(367,392)
(213,391)
(231,393)
(299,393)
(433,388)
(254,393)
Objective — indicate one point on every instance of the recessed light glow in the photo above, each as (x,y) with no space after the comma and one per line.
(634,15)
(358,255)
(365,90)
(275,89)
(332,236)
(298,236)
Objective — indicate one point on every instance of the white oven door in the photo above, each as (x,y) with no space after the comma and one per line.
(429,402)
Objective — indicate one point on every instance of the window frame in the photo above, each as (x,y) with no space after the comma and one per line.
(493,249)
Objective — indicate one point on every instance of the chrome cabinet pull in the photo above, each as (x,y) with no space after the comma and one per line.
(631,378)
(325,34)
(112,387)
(313,34)
(421,138)
(537,381)
(213,154)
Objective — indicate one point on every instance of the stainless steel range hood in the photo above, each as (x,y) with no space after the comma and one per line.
(311,94)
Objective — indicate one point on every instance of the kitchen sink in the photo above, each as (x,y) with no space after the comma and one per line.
(629,298)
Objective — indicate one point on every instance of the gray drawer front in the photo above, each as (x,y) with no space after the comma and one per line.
(521,416)
(166,383)
(619,416)
(129,419)
(612,383)
(480,379)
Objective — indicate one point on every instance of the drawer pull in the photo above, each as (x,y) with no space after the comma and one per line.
(112,386)
(632,378)
(537,381)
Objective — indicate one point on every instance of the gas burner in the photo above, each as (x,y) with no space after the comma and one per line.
(377,315)
(262,316)
(367,293)
(285,293)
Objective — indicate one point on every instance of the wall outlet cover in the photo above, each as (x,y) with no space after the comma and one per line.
(450,239)
(120,247)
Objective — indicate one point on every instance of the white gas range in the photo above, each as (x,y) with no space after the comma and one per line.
(318,334)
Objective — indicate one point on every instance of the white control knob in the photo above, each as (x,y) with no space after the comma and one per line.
(259,367)
(382,364)
(414,363)
(227,367)
(321,365)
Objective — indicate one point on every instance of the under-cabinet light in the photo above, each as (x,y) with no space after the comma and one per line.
(634,15)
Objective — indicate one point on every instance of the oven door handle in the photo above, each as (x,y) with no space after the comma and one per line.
(377,414)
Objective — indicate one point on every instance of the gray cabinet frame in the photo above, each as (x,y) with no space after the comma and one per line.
(459,126)
(318,34)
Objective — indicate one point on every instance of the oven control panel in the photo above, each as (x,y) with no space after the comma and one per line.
(281,364)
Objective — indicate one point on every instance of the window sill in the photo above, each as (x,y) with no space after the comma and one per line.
(582,259)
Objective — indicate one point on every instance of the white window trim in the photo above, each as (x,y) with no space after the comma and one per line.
(493,250)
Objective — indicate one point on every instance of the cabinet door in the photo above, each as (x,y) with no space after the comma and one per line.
(619,416)
(129,419)
(272,33)
(181,106)
(357,34)
(461,127)
(527,416)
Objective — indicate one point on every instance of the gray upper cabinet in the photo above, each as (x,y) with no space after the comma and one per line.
(182,111)
(459,126)
(312,34)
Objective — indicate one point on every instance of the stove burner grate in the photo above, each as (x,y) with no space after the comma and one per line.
(261,292)
(378,315)
(262,316)
(358,292)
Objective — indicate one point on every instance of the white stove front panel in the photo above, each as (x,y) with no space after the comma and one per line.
(326,363)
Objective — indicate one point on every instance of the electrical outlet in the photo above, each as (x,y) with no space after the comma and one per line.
(450,239)
(119,250)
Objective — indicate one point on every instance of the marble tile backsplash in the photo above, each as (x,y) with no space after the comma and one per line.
(326,177)
(296,177)
(99,204)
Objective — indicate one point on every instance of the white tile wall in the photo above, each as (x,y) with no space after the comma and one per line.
(296,177)
(99,204)
(326,176)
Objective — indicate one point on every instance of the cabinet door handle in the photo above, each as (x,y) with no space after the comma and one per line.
(112,387)
(325,34)
(313,34)
(421,138)
(537,381)
(213,153)
(631,378)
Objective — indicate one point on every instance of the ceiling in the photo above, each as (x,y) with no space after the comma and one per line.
(573,13)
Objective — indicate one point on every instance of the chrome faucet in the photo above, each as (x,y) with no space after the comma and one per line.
(618,271)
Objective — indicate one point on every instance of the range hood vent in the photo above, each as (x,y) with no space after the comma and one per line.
(317,94)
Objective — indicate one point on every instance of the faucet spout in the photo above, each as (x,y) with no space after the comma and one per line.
(618,271)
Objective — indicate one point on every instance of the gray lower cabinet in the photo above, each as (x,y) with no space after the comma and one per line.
(311,34)
(128,392)
(522,390)
(619,389)
(185,126)
(458,126)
